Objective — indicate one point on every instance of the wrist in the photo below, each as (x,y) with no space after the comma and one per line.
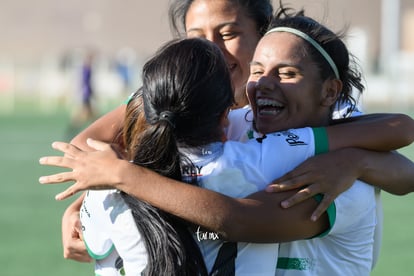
(358,158)
(125,172)
(355,159)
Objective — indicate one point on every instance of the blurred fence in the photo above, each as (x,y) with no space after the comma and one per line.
(53,83)
(48,86)
(394,89)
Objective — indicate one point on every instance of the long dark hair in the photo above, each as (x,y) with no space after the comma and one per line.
(186,90)
(348,67)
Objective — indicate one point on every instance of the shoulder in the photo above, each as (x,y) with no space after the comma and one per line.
(240,123)
(345,110)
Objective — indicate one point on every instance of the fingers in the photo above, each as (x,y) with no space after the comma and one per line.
(82,257)
(300,196)
(76,233)
(67,193)
(56,178)
(59,178)
(305,194)
(288,182)
(76,251)
(98,145)
(285,186)
(322,207)
(70,151)
(57,161)
(73,246)
(67,149)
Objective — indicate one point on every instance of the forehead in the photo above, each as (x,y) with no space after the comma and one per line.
(280,46)
(204,12)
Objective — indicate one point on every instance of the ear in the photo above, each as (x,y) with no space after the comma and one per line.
(331,90)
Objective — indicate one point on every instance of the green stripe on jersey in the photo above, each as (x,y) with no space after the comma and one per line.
(321,140)
(294,263)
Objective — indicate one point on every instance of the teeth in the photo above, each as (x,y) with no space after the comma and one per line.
(268,102)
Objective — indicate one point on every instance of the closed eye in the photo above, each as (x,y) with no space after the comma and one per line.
(229,35)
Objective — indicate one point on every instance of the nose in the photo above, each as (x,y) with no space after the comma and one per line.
(216,39)
(265,83)
(213,37)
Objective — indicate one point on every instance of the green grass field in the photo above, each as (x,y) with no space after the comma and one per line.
(30,217)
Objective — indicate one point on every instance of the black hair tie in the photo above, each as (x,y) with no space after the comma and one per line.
(168,116)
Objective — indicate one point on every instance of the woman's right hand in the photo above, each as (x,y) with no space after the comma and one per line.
(329,174)
(73,246)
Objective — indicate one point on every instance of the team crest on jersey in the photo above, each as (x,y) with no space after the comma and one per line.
(291,138)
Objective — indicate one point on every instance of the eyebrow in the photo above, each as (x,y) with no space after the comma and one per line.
(255,63)
(284,64)
(224,24)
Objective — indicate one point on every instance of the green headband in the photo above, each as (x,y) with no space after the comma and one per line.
(311,41)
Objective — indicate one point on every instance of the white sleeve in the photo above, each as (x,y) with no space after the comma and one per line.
(126,236)
(109,230)
(96,224)
(283,151)
(261,160)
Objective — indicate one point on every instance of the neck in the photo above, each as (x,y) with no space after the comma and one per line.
(240,99)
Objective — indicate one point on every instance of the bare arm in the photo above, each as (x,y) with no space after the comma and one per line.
(392,172)
(203,207)
(334,172)
(378,132)
(72,241)
(389,171)
(105,128)
(249,219)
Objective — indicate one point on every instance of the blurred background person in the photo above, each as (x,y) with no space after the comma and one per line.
(86,111)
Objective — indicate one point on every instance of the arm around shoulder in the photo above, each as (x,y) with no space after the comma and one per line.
(257,218)
(103,129)
(378,132)
(390,171)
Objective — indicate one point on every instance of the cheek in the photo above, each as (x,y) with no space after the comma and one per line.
(251,91)
(242,52)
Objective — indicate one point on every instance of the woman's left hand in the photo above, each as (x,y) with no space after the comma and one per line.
(90,170)
(328,174)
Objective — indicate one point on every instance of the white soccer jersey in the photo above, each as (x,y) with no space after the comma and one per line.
(343,110)
(347,249)
(351,247)
(233,169)
(239,169)
(110,233)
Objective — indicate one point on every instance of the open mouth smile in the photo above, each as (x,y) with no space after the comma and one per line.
(268,107)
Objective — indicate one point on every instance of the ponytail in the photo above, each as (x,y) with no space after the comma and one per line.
(170,246)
